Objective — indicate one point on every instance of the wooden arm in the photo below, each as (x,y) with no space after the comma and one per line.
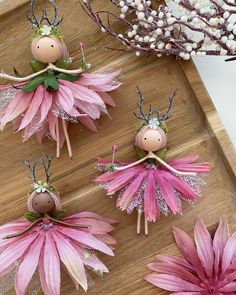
(68,224)
(23,231)
(22,79)
(70,72)
(131,165)
(153,156)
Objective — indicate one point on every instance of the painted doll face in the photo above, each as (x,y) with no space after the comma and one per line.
(47,50)
(152,140)
(43,203)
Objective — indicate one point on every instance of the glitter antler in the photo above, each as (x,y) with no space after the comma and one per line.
(161,118)
(182,28)
(169,113)
(141,115)
(31,16)
(46,163)
(54,22)
(31,167)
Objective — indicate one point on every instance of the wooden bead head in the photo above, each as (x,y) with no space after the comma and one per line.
(151,140)
(48,49)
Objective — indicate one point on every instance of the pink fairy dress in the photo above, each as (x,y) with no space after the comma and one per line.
(47,240)
(151,185)
(45,102)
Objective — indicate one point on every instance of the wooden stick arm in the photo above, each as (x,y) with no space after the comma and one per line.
(131,165)
(23,231)
(69,224)
(70,72)
(153,156)
(22,79)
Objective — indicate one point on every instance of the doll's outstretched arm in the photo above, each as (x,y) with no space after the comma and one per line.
(70,72)
(22,79)
(153,156)
(22,231)
(68,224)
(130,165)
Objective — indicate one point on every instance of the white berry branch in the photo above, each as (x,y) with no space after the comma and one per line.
(183,28)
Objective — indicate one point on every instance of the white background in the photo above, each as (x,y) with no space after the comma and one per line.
(219,78)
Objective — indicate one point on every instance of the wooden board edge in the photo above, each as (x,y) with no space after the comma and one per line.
(215,124)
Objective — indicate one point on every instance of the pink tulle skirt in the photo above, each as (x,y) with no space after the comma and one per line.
(41,112)
(34,260)
(153,189)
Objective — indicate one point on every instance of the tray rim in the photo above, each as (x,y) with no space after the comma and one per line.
(226,148)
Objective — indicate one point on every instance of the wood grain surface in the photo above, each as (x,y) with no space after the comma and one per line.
(195,128)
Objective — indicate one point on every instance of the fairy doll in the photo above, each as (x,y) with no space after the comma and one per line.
(152,185)
(43,103)
(46,239)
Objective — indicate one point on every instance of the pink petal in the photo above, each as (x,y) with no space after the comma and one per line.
(65,100)
(121,180)
(88,122)
(187,248)
(107,99)
(229,252)
(171,283)
(85,238)
(167,192)
(46,105)
(42,273)
(52,120)
(33,108)
(71,260)
(220,239)
(51,266)
(151,208)
(84,93)
(231,287)
(97,226)
(86,214)
(185,160)
(15,250)
(131,190)
(105,88)
(88,109)
(203,242)
(88,79)
(28,266)
(40,134)
(180,185)
(174,260)
(16,107)
(175,270)
(92,261)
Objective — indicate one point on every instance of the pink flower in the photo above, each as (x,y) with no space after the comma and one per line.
(208,265)
(49,245)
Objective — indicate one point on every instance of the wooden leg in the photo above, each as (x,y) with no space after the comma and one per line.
(139,222)
(146,226)
(67,138)
(58,139)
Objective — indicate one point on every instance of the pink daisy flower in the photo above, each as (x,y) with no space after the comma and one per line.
(48,246)
(208,265)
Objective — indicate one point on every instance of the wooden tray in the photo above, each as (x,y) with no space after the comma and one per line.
(196,128)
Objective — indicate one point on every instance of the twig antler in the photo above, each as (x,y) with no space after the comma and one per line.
(31,16)
(168,114)
(141,115)
(46,163)
(54,22)
(161,118)
(31,166)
